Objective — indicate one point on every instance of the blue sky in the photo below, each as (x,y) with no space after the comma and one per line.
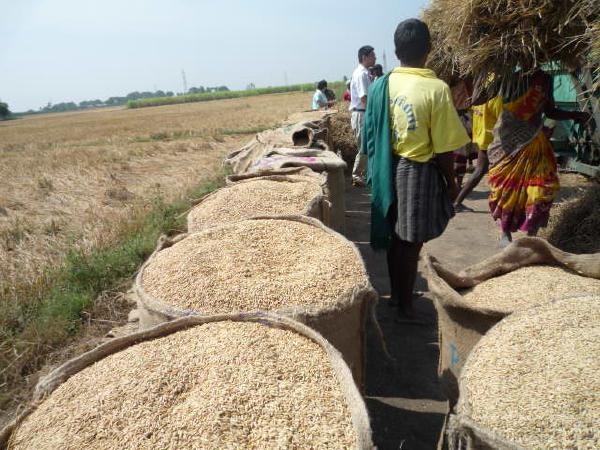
(73,50)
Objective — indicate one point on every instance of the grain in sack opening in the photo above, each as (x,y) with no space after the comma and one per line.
(533,381)
(498,286)
(273,195)
(319,161)
(294,266)
(228,381)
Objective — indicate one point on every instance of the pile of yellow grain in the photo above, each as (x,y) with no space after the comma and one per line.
(256,197)
(219,385)
(528,286)
(534,379)
(265,264)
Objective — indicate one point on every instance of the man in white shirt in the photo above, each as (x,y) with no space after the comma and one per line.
(359,85)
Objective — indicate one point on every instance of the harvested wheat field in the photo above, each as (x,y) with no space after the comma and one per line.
(77,177)
(237,385)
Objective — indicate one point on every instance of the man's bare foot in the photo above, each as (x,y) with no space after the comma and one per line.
(459,207)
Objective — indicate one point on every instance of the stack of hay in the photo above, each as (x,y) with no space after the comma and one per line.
(220,382)
(293,266)
(533,382)
(496,37)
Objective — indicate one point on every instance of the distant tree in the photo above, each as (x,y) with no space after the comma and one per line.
(169,94)
(197,90)
(222,88)
(4,111)
(250,86)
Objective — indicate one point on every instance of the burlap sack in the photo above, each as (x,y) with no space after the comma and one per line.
(300,171)
(317,207)
(342,373)
(460,324)
(319,161)
(301,134)
(343,325)
(464,433)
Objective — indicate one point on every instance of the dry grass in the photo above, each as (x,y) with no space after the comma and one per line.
(256,265)
(342,136)
(237,385)
(74,179)
(534,379)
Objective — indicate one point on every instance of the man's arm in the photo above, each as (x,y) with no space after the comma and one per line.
(445,162)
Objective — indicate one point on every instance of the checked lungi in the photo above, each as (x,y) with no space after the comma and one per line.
(423,208)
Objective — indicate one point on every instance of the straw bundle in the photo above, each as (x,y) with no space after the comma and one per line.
(496,37)
(575,225)
(442,58)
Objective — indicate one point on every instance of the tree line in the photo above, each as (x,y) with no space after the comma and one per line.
(113,101)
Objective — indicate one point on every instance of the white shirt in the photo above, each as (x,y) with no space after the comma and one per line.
(359,85)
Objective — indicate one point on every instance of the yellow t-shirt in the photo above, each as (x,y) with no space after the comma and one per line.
(484,120)
(423,118)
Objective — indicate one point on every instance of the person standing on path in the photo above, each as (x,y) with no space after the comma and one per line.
(320,100)
(359,86)
(411,129)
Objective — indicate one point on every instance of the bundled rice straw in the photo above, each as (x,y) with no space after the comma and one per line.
(497,37)
(442,58)
(575,225)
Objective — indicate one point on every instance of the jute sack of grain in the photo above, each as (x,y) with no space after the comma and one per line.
(295,171)
(464,317)
(273,195)
(294,266)
(303,134)
(230,381)
(319,161)
(533,381)
(240,160)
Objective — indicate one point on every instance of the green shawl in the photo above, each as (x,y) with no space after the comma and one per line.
(376,144)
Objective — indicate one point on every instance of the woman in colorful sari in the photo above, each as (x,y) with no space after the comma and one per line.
(523,174)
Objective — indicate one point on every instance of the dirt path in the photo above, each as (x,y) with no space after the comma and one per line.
(405,404)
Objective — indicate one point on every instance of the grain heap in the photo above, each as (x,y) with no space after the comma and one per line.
(255,265)
(575,225)
(534,380)
(257,197)
(294,266)
(527,287)
(239,384)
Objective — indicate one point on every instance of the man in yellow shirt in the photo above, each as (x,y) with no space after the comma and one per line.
(411,130)
(484,120)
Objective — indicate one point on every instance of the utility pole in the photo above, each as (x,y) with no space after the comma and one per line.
(384,63)
(185,89)
(285,80)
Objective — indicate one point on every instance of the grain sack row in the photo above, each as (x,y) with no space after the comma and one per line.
(293,266)
(527,273)
(230,381)
(304,143)
(533,381)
